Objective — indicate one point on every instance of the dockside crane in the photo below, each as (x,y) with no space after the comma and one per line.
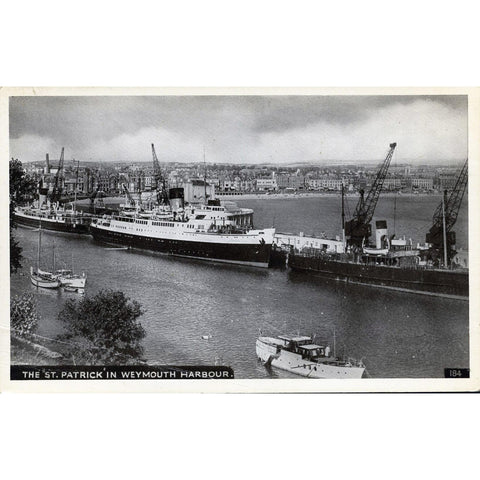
(160,183)
(57,188)
(131,201)
(441,237)
(92,198)
(359,229)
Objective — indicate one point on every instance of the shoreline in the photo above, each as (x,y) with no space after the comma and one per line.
(260,196)
(287,196)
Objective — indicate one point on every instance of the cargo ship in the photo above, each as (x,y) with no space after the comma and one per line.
(206,232)
(389,263)
(385,270)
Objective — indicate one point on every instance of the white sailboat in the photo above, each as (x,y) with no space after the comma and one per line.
(70,281)
(38,277)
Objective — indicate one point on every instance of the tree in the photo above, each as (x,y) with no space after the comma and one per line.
(22,188)
(105,327)
(23,315)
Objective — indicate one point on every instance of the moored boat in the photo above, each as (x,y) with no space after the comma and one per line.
(43,281)
(71,282)
(56,220)
(205,232)
(38,277)
(392,263)
(299,355)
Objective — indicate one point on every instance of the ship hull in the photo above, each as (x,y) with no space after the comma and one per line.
(293,363)
(445,283)
(41,282)
(253,254)
(65,225)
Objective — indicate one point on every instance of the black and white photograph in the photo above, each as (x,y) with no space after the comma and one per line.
(307,239)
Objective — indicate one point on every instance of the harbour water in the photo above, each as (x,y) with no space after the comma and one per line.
(398,335)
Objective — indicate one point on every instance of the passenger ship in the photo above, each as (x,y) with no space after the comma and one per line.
(207,232)
(59,220)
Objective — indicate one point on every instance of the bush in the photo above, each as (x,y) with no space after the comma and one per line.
(105,326)
(22,188)
(23,315)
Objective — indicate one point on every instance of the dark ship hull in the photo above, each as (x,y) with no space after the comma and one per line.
(414,279)
(67,224)
(253,254)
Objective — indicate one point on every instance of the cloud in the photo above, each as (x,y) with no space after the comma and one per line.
(254,129)
(33,148)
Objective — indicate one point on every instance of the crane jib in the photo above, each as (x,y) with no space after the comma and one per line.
(366,208)
(57,191)
(452,202)
(162,195)
(358,229)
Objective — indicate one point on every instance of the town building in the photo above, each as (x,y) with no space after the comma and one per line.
(267,184)
(422,183)
(195,190)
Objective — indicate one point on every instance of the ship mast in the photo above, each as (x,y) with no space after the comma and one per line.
(343,219)
(334,343)
(445,256)
(205,174)
(394,214)
(76,186)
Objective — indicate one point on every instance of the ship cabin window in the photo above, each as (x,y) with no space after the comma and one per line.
(199,217)
(310,351)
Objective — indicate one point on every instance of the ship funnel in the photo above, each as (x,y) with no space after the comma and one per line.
(176,196)
(42,194)
(381,233)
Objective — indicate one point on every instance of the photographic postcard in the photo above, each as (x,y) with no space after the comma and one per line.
(239,239)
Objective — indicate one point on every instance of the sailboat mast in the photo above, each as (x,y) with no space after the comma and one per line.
(39,244)
(54,255)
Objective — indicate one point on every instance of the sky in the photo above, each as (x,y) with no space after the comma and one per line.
(241,129)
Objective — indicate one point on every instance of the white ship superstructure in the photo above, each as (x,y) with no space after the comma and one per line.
(207,232)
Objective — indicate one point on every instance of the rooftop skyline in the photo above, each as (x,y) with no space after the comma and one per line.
(241,129)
